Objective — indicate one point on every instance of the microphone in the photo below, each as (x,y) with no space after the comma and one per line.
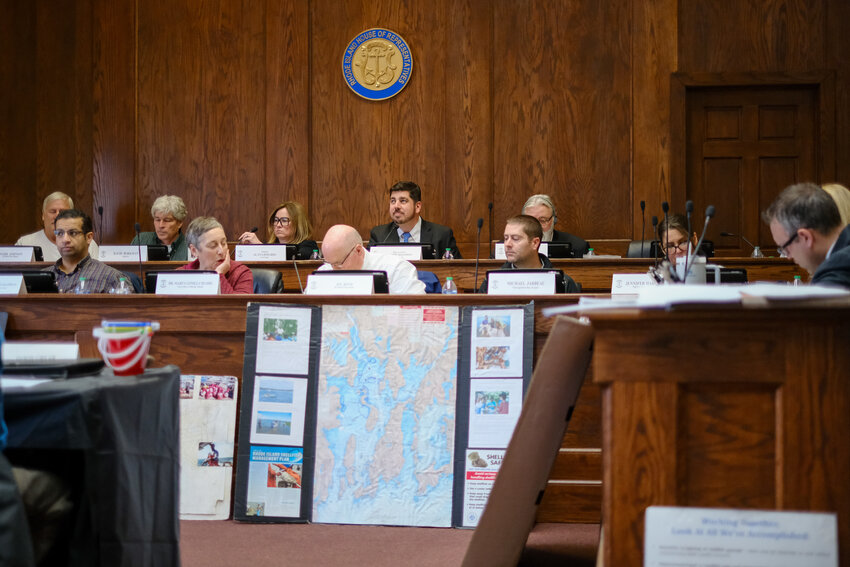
(100,223)
(689,208)
(138,228)
(255,229)
(297,275)
(642,226)
(393,228)
(654,232)
(741,236)
(709,213)
(490,229)
(665,207)
(478,253)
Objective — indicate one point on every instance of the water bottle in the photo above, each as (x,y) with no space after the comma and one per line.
(448,254)
(123,287)
(798,281)
(315,255)
(590,253)
(757,253)
(450,286)
(82,287)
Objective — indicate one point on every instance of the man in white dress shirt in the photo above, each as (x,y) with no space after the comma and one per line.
(53,204)
(343,249)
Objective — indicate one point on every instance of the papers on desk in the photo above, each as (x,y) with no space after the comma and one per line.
(668,296)
(10,383)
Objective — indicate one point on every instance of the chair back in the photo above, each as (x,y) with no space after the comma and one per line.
(431,281)
(267,281)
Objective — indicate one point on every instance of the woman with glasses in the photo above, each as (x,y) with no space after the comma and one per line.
(673,237)
(288,224)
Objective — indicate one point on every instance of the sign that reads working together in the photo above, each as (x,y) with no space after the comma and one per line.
(377,64)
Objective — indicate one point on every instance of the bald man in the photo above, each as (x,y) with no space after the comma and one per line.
(342,248)
(53,204)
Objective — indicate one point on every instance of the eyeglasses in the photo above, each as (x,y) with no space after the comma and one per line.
(73,233)
(282,221)
(781,249)
(670,247)
(545,220)
(341,262)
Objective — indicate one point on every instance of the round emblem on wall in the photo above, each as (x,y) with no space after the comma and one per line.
(377,64)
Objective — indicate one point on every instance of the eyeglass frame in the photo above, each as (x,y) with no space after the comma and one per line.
(341,262)
(669,246)
(781,249)
(72,232)
(282,221)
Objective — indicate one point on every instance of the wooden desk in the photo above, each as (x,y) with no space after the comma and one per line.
(206,335)
(738,408)
(593,275)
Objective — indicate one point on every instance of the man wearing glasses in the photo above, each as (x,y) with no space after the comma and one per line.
(343,249)
(73,231)
(542,208)
(806,226)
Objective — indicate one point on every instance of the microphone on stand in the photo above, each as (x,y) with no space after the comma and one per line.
(138,228)
(642,226)
(393,228)
(741,236)
(655,231)
(297,275)
(665,207)
(709,213)
(490,227)
(477,253)
(689,208)
(100,222)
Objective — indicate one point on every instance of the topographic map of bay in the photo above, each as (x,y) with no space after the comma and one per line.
(386,419)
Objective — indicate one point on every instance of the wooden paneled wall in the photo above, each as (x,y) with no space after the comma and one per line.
(238,105)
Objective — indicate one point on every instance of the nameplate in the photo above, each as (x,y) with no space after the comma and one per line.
(14,350)
(187,282)
(523,283)
(403,252)
(630,284)
(124,253)
(12,284)
(17,254)
(719,537)
(343,284)
(499,252)
(260,253)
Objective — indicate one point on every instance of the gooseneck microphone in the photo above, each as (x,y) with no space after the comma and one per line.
(100,222)
(490,228)
(709,213)
(477,253)
(655,232)
(393,228)
(255,229)
(665,207)
(741,236)
(689,208)
(642,226)
(138,228)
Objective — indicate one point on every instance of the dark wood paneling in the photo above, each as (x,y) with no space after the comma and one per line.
(561,112)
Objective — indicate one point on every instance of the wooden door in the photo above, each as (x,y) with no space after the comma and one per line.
(744,145)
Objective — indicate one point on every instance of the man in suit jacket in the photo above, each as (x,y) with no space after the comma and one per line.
(806,226)
(542,208)
(408,226)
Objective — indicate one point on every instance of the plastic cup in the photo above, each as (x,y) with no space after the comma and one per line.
(124,345)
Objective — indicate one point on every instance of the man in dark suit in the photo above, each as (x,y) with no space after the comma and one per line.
(408,226)
(542,208)
(806,225)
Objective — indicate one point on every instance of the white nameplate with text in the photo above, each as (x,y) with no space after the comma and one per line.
(521,283)
(12,284)
(716,537)
(403,252)
(123,253)
(16,350)
(343,284)
(187,282)
(630,283)
(260,253)
(17,254)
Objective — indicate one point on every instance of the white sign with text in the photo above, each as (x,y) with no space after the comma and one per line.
(12,284)
(17,254)
(122,253)
(342,284)
(403,252)
(187,282)
(630,283)
(521,283)
(260,253)
(19,350)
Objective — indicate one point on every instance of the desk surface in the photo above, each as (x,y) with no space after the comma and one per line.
(127,430)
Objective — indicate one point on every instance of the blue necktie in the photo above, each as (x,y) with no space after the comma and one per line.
(406,236)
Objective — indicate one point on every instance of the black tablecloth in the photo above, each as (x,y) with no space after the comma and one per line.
(127,429)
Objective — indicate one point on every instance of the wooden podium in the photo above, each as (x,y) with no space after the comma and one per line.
(727,408)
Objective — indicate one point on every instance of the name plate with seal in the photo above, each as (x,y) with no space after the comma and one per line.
(123,253)
(187,282)
(630,284)
(521,283)
(342,284)
(260,253)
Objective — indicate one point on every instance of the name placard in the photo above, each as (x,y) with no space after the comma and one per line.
(17,350)
(342,284)
(12,284)
(403,252)
(499,251)
(521,283)
(742,538)
(122,253)
(260,253)
(630,284)
(187,282)
(17,254)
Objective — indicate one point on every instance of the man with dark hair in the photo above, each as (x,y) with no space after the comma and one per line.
(806,226)
(522,239)
(73,236)
(408,226)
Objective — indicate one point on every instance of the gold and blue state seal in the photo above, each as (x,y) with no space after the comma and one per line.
(377,64)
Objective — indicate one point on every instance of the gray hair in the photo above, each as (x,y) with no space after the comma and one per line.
(55,196)
(804,205)
(540,199)
(200,226)
(170,204)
